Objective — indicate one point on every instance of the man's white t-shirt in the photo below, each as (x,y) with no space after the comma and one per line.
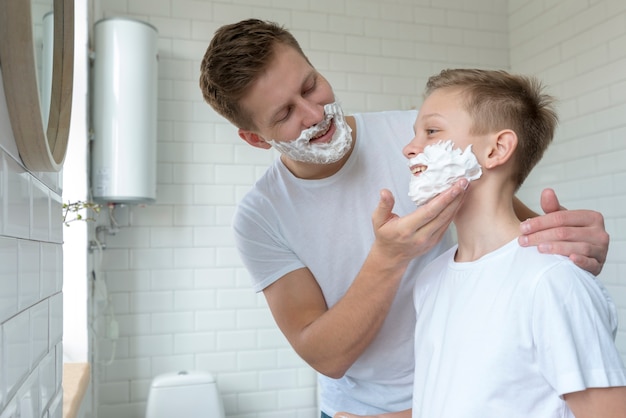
(508,334)
(285,223)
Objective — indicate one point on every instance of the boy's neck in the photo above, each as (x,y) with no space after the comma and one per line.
(485,222)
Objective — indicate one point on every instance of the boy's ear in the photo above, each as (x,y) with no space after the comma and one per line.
(503,146)
(253,139)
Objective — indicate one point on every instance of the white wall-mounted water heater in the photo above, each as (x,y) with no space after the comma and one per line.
(124,112)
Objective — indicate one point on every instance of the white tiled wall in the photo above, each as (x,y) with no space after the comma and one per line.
(579,49)
(175,284)
(30,286)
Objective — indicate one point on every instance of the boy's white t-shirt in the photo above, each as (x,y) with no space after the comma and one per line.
(285,223)
(509,334)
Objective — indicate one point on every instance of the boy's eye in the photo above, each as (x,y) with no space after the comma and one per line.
(431,131)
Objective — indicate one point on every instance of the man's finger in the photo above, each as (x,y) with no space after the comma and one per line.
(559,221)
(587,263)
(383,211)
(443,207)
(549,201)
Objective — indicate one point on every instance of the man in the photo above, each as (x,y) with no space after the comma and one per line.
(339,289)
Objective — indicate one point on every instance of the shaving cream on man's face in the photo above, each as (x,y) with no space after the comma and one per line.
(438,167)
(301,149)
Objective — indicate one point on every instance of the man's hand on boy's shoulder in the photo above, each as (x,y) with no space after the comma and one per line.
(577,234)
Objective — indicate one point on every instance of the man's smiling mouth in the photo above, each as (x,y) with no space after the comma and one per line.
(323,132)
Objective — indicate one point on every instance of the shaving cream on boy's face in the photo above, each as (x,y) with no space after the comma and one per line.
(438,167)
(301,149)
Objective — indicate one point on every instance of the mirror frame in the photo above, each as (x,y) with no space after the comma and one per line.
(41,148)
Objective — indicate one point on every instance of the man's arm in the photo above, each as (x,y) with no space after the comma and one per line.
(598,402)
(331,340)
(577,234)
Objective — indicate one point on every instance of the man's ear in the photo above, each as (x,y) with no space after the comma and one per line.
(253,139)
(502,149)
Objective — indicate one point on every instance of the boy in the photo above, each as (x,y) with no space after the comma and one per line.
(502,330)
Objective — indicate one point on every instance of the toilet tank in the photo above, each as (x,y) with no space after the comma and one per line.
(191,394)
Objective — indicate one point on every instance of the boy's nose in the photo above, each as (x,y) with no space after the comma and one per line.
(412,148)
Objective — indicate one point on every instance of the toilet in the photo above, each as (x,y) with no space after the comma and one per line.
(190,394)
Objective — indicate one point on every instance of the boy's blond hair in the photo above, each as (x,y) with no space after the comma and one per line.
(497,100)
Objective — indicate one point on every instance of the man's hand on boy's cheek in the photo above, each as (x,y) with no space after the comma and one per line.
(578,234)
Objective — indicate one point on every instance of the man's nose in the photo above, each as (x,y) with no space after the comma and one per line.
(312,113)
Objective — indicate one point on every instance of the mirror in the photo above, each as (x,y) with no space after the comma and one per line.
(42,147)
(43,41)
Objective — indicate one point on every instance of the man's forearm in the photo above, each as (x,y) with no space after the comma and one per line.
(349,327)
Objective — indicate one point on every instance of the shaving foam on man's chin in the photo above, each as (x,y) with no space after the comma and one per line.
(301,148)
(443,165)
